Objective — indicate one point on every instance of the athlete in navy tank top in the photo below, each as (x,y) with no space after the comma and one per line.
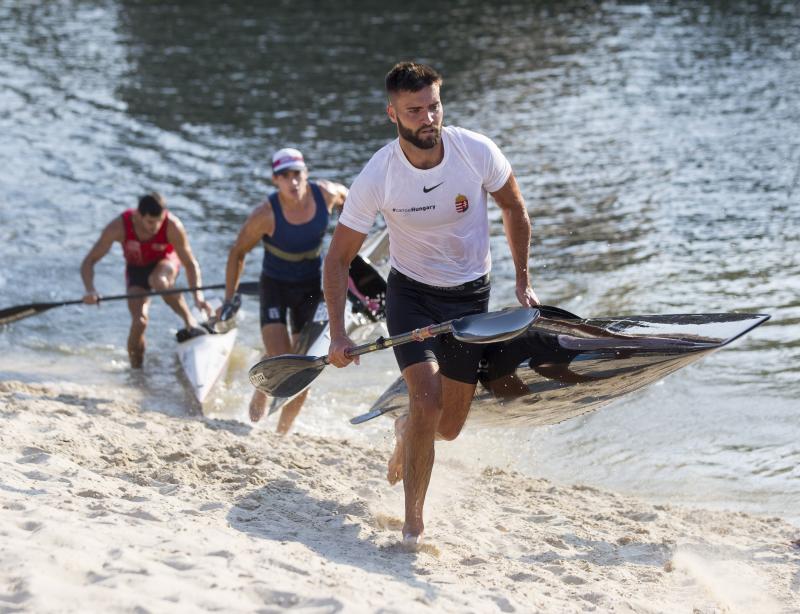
(291,225)
(293,251)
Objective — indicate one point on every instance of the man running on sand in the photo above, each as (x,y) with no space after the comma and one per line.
(291,224)
(431,186)
(155,245)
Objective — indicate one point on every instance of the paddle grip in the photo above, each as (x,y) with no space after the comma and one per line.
(419,334)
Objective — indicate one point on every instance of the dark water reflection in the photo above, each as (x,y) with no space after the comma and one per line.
(657,145)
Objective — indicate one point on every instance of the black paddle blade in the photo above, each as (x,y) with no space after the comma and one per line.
(12,314)
(496,326)
(285,376)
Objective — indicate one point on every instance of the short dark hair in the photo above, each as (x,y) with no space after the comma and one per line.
(411,77)
(152,204)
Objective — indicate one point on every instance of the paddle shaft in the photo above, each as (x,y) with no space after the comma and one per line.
(12,314)
(286,375)
(418,334)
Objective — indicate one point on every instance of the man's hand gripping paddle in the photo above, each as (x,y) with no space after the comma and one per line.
(286,375)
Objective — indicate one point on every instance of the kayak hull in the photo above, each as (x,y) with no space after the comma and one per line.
(204,359)
(564,367)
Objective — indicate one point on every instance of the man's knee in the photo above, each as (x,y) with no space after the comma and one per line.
(425,392)
(161,281)
(139,322)
(449,432)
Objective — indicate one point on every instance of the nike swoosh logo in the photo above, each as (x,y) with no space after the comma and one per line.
(426,190)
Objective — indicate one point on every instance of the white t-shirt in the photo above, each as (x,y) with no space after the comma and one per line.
(437,217)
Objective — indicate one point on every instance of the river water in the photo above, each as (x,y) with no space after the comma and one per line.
(657,145)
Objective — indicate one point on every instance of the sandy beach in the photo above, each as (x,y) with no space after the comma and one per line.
(106,507)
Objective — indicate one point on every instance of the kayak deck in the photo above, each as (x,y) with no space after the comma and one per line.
(563,367)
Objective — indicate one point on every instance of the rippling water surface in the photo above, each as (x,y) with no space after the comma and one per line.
(657,146)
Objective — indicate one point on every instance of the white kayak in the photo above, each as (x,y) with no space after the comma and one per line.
(204,360)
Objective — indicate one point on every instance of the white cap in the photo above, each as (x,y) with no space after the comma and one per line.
(288,159)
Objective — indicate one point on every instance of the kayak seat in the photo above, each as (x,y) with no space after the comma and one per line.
(185,334)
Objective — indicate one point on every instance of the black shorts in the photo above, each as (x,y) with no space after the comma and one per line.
(296,299)
(411,304)
(138,275)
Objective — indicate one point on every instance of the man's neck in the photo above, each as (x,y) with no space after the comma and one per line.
(291,202)
(422,158)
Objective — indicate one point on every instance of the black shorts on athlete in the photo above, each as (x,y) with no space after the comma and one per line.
(139,276)
(289,302)
(411,304)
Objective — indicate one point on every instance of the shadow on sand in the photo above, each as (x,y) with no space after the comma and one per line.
(281,512)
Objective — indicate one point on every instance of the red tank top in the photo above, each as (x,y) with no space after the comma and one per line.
(142,253)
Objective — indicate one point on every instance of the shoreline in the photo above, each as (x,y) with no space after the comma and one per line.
(138,509)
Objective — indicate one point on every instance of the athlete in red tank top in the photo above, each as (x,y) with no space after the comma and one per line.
(154,243)
(143,253)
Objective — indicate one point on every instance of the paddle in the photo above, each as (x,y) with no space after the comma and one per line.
(288,374)
(18,312)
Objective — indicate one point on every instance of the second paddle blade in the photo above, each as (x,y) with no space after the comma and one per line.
(495,326)
(285,376)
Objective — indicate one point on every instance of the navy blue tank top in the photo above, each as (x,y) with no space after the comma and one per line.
(293,252)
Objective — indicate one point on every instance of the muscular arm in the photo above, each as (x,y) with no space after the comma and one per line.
(334,193)
(176,235)
(517,226)
(344,246)
(260,222)
(113,232)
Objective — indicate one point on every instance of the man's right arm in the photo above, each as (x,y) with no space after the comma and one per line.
(113,232)
(260,222)
(343,248)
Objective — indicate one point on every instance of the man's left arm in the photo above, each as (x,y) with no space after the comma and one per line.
(517,226)
(176,235)
(334,193)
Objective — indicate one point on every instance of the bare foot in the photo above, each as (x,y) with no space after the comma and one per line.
(411,543)
(395,472)
(258,405)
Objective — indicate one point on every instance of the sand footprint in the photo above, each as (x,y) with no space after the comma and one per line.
(640,516)
(503,603)
(540,518)
(18,595)
(523,576)
(286,600)
(556,542)
(33,456)
(143,515)
(573,579)
(179,564)
(31,526)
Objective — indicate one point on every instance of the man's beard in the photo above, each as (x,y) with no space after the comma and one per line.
(428,142)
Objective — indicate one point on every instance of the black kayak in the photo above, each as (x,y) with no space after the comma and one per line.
(564,366)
